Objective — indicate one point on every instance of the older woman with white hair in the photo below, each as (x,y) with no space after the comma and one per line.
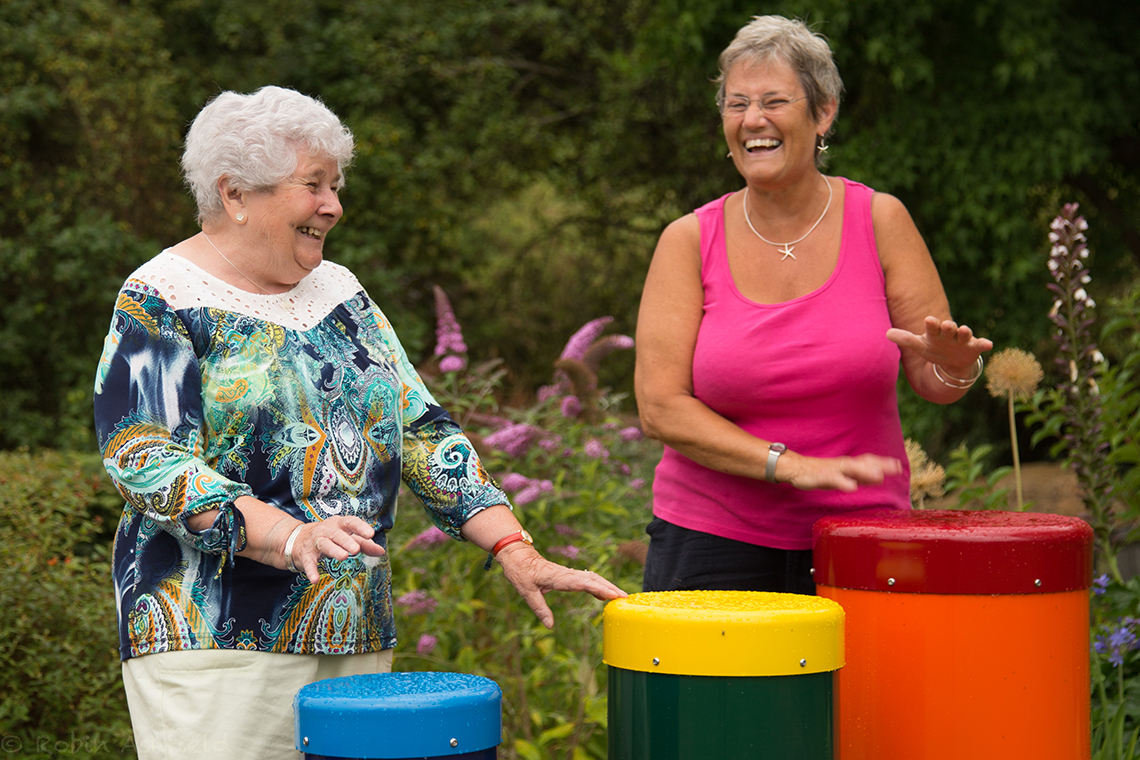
(257,413)
(772,326)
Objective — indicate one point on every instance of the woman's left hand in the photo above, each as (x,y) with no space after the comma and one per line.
(533,576)
(945,343)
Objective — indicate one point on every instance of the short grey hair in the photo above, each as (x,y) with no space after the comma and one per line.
(253,139)
(767,38)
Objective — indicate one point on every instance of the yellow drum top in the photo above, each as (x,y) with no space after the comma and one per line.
(724,633)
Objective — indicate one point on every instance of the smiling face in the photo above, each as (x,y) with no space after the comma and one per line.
(289,223)
(777,148)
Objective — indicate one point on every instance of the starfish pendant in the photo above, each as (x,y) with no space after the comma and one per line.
(787,251)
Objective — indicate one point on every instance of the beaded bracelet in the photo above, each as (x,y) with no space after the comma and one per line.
(959,383)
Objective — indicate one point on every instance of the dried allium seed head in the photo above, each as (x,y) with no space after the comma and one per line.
(1013,372)
(926,477)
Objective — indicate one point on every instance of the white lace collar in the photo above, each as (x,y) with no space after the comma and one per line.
(185,286)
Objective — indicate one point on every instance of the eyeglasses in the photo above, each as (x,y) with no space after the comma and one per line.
(738,105)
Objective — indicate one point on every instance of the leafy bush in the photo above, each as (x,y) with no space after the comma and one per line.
(61,689)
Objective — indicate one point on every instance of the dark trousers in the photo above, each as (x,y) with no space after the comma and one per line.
(680,559)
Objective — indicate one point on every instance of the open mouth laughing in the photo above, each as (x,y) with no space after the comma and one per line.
(761,144)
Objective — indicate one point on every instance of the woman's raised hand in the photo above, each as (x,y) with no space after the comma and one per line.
(944,342)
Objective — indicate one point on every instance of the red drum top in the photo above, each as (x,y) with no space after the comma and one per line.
(953,552)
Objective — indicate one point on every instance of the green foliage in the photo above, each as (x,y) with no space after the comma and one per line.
(88,160)
(61,690)
(525,155)
(967,478)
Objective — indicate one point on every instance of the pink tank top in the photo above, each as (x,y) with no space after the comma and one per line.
(816,373)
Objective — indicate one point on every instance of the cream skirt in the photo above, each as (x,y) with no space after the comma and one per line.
(224,704)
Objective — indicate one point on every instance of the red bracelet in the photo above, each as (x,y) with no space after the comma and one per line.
(505,541)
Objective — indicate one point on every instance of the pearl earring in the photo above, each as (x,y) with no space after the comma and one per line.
(241,217)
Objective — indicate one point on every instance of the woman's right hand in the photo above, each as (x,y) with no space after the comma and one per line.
(267,531)
(836,473)
(336,537)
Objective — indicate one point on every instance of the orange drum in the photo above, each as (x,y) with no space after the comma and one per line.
(967,634)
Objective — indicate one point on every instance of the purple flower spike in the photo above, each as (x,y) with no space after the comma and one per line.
(452,364)
(448,336)
(581,341)
(1082,367)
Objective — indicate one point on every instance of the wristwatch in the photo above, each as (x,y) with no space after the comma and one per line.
(774,452)
(504,542)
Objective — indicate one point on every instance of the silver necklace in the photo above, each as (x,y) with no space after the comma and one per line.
(785,248)
(285,304)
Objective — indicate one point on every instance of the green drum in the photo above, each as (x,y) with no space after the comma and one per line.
(722,674)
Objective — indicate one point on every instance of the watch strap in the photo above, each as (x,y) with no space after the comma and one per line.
(774,452)
(504,542)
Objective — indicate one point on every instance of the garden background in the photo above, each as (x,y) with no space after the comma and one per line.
(523,156)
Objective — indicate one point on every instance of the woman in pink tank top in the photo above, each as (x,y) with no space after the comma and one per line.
(772,327)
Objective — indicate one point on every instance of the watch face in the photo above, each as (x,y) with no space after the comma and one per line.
(526,537)
(779,448)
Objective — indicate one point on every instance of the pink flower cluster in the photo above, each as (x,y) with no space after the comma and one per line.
(569,551)
(571,407)
(429,537)
(426,645)
(631,434)
(449,345)
(416,602)
(525,489)
(596,449)
(514,439)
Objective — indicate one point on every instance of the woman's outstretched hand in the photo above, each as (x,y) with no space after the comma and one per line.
(835,473)
(944,342)
(533,576)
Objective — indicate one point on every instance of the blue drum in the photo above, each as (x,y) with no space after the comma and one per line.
(399,716)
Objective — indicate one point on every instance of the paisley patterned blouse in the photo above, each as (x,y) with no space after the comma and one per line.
(305,400)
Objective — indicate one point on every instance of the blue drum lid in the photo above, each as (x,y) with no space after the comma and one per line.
(398,715)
